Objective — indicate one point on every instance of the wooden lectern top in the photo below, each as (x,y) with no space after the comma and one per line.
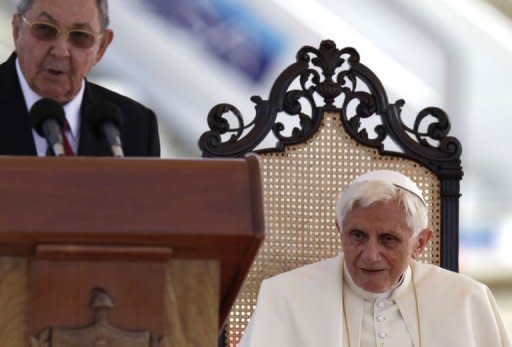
(198,208)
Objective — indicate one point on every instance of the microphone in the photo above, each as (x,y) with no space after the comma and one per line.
(48,119)
(105,122)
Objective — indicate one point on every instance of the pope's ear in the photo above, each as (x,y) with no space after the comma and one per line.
(422,239)
(338,228)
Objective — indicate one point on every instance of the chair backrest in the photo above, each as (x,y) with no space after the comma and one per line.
(338,124)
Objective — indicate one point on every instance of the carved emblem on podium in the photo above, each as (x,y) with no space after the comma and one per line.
(99,334)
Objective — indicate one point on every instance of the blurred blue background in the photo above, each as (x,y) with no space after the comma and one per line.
(181,57)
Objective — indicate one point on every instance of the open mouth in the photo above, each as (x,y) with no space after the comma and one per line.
(55,72)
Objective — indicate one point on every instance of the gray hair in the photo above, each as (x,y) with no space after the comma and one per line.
(24,5)
(368,192)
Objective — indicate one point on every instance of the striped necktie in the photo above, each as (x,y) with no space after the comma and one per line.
(68,150)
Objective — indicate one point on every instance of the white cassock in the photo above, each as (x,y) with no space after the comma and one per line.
(304,308)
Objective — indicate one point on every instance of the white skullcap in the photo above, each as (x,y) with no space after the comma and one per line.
(393,177)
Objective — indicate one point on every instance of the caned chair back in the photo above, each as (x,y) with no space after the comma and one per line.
(337,125)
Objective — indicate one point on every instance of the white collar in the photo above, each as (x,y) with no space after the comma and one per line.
(71,109)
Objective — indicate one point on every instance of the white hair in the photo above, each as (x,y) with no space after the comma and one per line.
(365,193)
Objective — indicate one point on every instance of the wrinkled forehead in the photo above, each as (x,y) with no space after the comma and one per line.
(67,13)
(379,216)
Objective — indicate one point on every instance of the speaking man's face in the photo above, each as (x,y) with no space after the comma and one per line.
(379,245)
(57,43)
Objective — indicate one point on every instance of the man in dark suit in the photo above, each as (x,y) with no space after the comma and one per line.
(57,42)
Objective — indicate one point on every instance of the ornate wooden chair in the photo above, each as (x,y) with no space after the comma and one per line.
(332,121)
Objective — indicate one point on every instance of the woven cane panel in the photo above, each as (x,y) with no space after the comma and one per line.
(300,190)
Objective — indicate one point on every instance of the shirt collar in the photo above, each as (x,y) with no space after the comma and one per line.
(71,109)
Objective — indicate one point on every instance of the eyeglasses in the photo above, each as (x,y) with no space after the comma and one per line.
(45,31)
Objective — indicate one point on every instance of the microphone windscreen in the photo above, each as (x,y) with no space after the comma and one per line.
(101,113)
(45,109)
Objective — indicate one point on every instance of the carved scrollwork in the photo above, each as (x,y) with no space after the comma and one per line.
(220,125)
(366,108)
(98,334)
(336,77)
(438,130)
(293,107)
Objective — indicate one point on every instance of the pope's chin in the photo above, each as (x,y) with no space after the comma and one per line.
(372,281)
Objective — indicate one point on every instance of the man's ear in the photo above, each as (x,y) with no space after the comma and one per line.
(422,239)
(106,39)
(15,23)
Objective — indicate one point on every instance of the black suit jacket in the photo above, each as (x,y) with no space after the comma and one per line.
(139,134)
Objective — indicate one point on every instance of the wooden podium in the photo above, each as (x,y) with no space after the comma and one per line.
(124,252)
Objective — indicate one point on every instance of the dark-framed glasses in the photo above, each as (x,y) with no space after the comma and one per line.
(45,31)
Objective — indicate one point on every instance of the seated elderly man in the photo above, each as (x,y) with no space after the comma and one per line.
(375,293)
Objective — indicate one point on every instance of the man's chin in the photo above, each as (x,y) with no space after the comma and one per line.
(57,90)
(59,96)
